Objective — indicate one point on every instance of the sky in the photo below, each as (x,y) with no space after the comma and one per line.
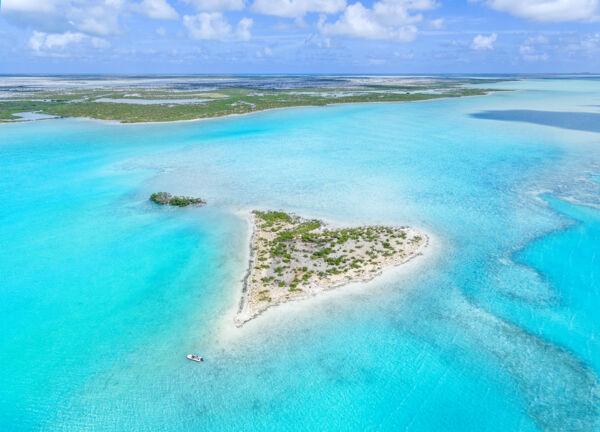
(299,36)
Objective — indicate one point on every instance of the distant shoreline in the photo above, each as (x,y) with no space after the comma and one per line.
(121,123)
(199,119)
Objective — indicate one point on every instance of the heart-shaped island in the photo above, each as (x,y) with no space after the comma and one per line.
(293,258)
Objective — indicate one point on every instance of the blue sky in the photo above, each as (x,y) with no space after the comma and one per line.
(299,36)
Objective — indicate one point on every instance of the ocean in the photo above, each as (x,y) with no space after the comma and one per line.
(495,328)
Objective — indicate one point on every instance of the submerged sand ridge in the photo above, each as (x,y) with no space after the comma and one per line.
(293,258)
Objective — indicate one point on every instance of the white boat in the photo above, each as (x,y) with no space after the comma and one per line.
(195,358)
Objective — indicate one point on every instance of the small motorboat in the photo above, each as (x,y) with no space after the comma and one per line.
(194,357)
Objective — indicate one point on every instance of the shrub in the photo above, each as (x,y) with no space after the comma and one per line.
(161,198)
(165,198)
(273,216)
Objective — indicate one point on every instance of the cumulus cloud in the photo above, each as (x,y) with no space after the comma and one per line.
(217,5)
(43,43)
(549,10)
(265,52)
(92,17)
(207,26)
(540,39)
(387,19)
(437,24)
(99,43)
(317,41)
(529,53)
(156,9)
(588,45)
(541,48)
(591,43)
(29,6)
(243,29)
(297,8)
(483,43)
(41,40)
(534,48)
(100,18)
(214,26)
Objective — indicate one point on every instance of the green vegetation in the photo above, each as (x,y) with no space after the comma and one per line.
(164,198)
(91,103)
(294,254)
(273,217)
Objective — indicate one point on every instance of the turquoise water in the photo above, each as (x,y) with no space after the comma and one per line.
(102,294)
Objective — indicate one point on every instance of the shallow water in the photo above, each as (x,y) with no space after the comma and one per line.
(29,116)
(102,294)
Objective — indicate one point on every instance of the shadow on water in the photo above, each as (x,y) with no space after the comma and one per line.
(581,121)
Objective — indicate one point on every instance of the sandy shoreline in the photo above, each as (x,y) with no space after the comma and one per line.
(247,307)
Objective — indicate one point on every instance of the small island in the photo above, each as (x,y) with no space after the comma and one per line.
(293,258)
(164,198)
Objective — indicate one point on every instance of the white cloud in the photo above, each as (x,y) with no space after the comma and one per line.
(318,41)
(156,9)
(207,26)
(42,43)
(214,26)
(100,43)
(98,24)
(388,19)
(92,17)
(591,43)
(297,8)
(588,45)
(265,52)
(217,5)
(437,24)
(404,56)
(549,10)
(529,53)
(41,40)
(160,31)
(533,48)
(483,43)
(243,29)
(540,39)
(99,17)
(29,6)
